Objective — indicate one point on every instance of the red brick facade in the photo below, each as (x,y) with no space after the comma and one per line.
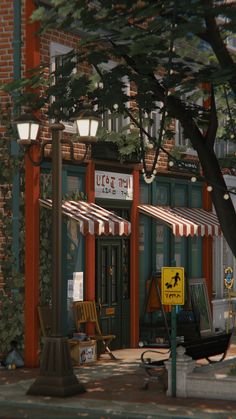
(6,74)
(6,71)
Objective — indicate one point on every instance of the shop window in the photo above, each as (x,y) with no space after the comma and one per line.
(160,240)
(222,258)
(151,123)
(144,193)
(196,197)
(73,240)
(180,196)
(195,257)
(179,251)
(224,148)
(163,194)
(194,103)
(73,245)
(158,246)
(180,139)
(74,184)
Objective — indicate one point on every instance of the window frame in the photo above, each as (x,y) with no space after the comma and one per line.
(56,50)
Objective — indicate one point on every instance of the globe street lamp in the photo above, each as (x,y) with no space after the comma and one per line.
(56,377)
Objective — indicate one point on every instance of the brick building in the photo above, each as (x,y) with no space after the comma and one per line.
(114,269)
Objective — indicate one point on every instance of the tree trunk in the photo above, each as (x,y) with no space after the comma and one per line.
(224,207)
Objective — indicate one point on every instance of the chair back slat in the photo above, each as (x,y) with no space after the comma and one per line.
(85,312)
(45,319)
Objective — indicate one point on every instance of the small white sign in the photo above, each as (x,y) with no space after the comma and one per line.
(78,286)
(70,284)
(112,185)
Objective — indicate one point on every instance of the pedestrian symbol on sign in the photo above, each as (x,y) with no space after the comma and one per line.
(176,279)
(172,286)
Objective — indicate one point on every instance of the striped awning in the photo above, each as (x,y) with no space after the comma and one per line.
(185,221)
(93,219)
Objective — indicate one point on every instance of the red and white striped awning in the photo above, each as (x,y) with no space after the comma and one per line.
(185,221)
(93,219)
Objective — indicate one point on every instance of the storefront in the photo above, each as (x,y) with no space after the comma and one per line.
(148,226)
(222,259)
(108,226)
(175,230)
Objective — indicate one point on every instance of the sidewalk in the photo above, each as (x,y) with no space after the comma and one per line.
(114,389)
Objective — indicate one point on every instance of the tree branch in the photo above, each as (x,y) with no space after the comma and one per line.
(213,37)
(213,121)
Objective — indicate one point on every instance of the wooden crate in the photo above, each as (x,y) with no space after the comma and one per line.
(83,352)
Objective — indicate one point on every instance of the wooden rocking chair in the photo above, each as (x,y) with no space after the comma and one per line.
(85,312)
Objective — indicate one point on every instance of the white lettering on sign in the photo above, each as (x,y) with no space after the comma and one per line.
(113,185)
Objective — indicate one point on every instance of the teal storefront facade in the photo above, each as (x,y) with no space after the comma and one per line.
(158,246)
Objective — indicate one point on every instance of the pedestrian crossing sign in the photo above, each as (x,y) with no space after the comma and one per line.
(172,285)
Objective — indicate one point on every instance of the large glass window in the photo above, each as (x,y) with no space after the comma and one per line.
(196,197)
(74,184)
(180,196)
(74,242)
(158,246)
(195,251)
(144,193)
(163,194)
(160,240)
(222,255)
(222,258)
(180,251)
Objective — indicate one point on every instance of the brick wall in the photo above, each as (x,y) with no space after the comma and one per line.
(6,74)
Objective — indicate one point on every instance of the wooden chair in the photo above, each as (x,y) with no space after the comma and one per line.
(85,312)
(45,322)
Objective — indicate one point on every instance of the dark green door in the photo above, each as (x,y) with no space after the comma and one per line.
(112,288)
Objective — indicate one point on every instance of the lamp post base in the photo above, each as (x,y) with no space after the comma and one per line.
(56,377)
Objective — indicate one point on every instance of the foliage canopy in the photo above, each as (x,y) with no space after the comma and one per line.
(171,53)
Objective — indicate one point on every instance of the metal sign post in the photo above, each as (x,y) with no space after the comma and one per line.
(172,293)
(173,350)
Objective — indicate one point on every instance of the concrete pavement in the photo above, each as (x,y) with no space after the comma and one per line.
(114,390)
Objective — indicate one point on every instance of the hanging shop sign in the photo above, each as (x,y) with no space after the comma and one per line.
(228,278)
(172,285)
(185,165)
(113,185)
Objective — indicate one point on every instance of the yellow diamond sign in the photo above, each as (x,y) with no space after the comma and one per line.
(172,285)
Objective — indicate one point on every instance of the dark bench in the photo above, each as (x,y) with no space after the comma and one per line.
(208,346)
(204,347)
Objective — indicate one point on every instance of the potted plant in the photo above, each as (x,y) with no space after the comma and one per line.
(123,146)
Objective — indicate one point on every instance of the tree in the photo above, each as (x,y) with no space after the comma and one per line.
(168,50)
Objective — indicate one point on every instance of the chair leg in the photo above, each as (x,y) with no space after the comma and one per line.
(108,351)
(103,348)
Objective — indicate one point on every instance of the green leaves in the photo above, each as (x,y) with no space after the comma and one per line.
(138,36)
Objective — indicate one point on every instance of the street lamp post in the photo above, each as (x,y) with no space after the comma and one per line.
(56,377)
